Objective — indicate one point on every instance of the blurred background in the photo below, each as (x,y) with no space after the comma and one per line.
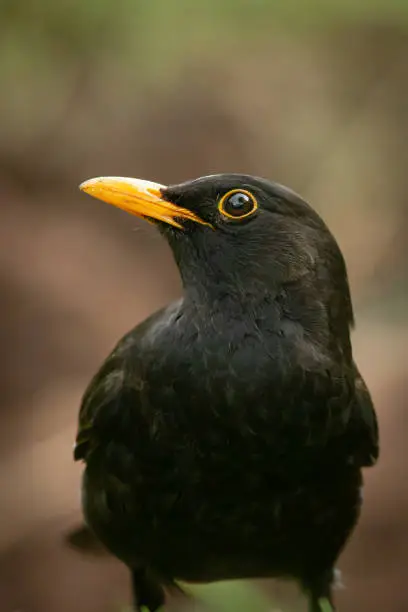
(310,94)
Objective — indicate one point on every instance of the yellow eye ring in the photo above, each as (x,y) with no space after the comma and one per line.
(237,204)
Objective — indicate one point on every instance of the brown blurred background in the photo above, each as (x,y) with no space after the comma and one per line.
(311,94)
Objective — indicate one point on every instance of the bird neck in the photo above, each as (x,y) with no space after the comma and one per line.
(229,297)
(211,276)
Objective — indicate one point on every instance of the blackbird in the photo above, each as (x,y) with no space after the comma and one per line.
(224,437)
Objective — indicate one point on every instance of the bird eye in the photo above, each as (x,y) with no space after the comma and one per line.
(237,204)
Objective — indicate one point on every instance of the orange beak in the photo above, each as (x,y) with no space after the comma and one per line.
(138,197)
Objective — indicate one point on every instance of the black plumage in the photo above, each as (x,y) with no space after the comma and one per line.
(224,436)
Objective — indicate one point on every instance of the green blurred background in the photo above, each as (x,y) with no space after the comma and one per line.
(311,94)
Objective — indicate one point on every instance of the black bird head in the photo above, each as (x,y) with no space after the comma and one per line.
(244,237)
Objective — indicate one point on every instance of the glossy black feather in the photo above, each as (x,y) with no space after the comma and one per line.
(224,436)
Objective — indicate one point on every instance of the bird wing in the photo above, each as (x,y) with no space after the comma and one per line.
(102,396)
(338,412)
(365,425)
(114,389)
